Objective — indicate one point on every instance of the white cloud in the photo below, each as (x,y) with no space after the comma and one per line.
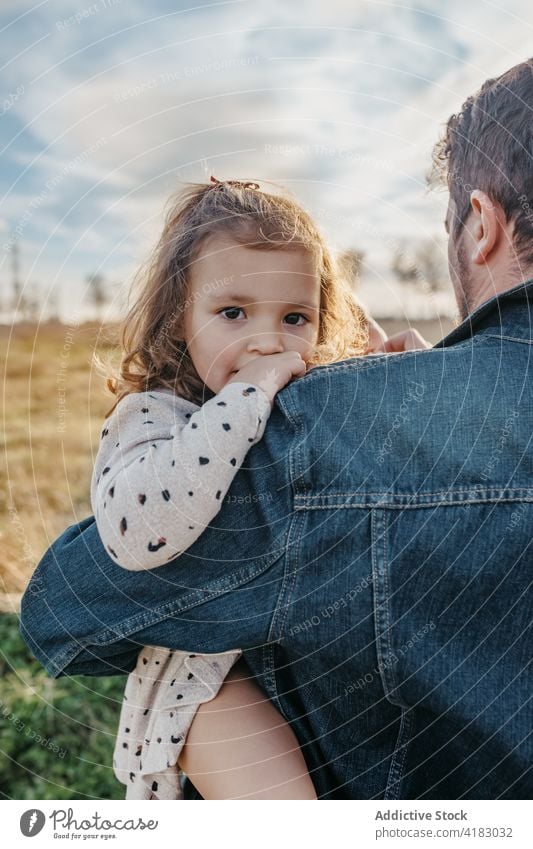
(341,101)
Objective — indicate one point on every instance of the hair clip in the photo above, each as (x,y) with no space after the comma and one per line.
(237,183)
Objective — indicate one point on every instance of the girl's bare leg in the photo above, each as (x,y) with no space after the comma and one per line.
(240,747)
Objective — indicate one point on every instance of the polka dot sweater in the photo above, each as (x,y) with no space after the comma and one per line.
(161,698)
(161,473)
(164,466)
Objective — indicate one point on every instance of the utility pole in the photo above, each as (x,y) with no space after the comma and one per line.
(19,300)
(15,272)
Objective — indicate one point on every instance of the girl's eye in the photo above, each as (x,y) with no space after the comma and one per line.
(296,318)
(231,313)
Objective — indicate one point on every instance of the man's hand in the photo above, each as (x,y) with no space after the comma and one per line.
(271,372)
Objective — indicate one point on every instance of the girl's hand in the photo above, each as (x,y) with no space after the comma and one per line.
(407,340)
(271,372)
(377,337)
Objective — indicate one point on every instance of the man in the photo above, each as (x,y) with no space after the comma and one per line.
(372,560)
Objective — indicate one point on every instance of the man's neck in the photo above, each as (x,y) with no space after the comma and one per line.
(496,282)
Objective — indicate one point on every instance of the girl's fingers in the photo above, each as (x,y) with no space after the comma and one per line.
(407,340)
(377,337)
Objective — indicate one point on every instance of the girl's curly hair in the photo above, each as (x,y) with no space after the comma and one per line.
(153,353)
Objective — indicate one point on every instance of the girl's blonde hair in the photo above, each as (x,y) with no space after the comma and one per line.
(154,354)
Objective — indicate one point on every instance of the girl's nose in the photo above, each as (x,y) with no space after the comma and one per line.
(265,343)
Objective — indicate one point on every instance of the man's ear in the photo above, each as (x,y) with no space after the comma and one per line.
(485,226)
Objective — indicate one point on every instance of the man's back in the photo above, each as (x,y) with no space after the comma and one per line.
(376,578)
(409,563)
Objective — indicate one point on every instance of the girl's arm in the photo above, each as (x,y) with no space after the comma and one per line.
(164,467)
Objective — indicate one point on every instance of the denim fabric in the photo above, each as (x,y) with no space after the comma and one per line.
(373,560)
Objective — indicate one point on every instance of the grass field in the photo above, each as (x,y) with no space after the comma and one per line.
(54,406)
(56,737)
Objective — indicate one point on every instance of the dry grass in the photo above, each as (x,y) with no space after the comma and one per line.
(48,459)
(48,451)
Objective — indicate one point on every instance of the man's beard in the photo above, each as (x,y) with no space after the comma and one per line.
(463,289)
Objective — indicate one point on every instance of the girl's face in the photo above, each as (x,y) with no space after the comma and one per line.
(245,303)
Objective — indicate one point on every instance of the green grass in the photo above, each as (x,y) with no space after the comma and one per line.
(56,736)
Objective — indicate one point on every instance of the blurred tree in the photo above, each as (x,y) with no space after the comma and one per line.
(97,292)
(53,306)
(424,264)
(350,264)
(403,265)
(32,303)
(18,303)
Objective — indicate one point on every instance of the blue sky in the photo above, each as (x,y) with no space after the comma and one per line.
(108,104)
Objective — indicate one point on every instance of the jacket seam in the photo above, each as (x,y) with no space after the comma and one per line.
(381,610)
(397,766)
(144,620)
(417,505)
(287,585)
(382,625)
(507,338)
(455,491)
(279,616)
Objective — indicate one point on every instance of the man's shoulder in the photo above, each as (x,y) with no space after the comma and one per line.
(368,374)
(434,389)
(390,421)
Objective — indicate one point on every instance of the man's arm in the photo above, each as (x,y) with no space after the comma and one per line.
(82,613)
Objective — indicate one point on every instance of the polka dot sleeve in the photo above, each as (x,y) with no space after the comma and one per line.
(164,466)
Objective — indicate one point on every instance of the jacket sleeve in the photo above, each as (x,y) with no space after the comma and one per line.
(162,473)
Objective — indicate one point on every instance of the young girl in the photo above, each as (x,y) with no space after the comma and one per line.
(240,297)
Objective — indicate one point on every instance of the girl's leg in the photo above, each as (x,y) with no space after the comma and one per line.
(240,747)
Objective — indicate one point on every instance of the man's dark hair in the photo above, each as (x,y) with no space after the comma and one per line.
(488,145)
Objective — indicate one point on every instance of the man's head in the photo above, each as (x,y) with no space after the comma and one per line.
(486,160)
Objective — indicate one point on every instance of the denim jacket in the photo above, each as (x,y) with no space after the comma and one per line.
(373,561)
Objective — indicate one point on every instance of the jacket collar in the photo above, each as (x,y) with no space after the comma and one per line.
(509,310)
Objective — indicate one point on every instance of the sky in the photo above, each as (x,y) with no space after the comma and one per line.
(109,105)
